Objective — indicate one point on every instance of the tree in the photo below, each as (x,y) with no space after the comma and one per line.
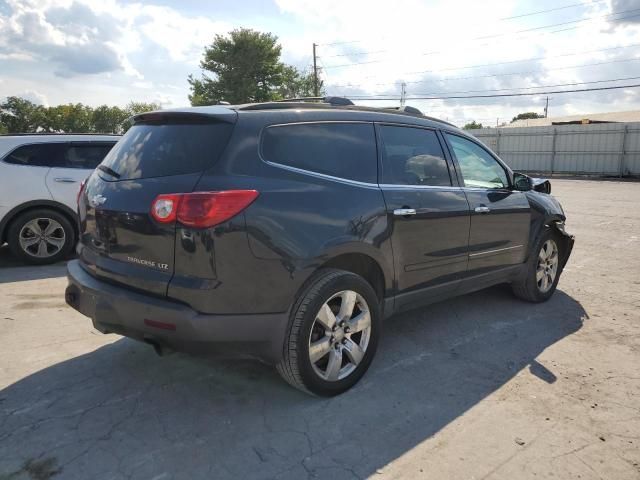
(134,108)
(296,84)
(245,67)
(70,118)
(526,116)
(21,116)
(108,119)
(18,115)
(472,125)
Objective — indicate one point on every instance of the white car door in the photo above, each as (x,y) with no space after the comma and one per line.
(78,161)
(23,175)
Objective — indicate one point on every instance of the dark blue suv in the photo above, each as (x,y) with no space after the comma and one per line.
(290,230)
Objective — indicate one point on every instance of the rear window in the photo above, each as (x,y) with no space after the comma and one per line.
(156,150)
(344,150)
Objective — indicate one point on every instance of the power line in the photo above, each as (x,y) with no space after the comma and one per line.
(346,65)
(552,10)
(573,84)
(473,77)
(555,92)
(499,19)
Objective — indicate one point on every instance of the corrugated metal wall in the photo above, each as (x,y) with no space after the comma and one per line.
(605,148)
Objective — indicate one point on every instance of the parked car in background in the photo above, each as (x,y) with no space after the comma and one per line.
(40,176)
(289,230)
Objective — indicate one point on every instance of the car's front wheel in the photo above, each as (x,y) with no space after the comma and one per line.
(41,236)
(333,334)
(542,271)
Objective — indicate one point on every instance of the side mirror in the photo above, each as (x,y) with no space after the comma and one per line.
(541,185)
(522,182)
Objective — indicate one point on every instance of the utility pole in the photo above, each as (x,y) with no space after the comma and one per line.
(546,108)
(403,93)
(316,90)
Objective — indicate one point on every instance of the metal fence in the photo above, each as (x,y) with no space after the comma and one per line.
(597,149)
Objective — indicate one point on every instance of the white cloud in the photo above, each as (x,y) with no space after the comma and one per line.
(35,97)
(438,39)
(113,51)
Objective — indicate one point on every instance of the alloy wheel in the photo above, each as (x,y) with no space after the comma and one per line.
(42,237)
(340,335)
(547,268)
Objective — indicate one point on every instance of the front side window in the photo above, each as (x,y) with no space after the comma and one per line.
(37,155)
(479,169)
(344,150)
(87,156)
(413,156)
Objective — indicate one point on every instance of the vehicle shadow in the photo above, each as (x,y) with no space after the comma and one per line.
(15,270)
(121,412)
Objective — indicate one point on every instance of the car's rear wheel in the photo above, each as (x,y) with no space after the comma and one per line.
(543,270)
(333,334)
(41,236)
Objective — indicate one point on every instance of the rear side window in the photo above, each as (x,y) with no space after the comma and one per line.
(87,156)
(344,150)
(156,150)
(413,156)
(37,155)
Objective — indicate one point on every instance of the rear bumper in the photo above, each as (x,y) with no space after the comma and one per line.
(115,309)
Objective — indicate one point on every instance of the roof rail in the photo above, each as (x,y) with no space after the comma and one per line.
(335,101)
(405,109)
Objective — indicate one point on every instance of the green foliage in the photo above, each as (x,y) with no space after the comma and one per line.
(18,115)
(526,116)
(70,118)
(296,84)
(472,125)
(245,67)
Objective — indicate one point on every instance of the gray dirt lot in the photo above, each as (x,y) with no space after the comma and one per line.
(478,387)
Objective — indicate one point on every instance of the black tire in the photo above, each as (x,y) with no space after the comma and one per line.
(527,287)
(17,225)
(296,367)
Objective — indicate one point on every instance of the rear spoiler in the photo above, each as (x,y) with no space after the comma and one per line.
(212,114)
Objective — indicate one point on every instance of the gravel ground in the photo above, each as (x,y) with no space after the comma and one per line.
(478,387)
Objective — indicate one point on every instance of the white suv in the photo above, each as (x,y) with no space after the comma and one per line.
(40,175)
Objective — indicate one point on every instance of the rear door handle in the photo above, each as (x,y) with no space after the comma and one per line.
(64,180)
(482,209)
(402,212)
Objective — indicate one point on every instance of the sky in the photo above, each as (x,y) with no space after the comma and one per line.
(115,51)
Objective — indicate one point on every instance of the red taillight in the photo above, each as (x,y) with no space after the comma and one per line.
(201,209)
(82,185)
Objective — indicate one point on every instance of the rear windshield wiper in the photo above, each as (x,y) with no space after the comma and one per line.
(111,172)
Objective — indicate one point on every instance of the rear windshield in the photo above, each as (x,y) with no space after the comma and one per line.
(155,150)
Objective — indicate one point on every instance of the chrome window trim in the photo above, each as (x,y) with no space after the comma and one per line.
(421,187)
(319,175)
(312,122)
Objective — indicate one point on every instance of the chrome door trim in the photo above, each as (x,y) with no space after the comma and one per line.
(498,250)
